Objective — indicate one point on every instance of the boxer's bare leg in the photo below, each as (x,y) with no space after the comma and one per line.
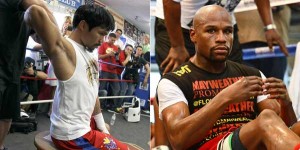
(268,129)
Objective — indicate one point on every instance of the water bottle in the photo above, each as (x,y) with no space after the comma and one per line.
(113,119)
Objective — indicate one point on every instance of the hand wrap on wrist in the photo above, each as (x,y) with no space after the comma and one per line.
(100,123)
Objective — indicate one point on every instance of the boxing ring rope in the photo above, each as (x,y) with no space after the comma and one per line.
(37,102)
(51,100)
(112,80)
(103,62)
(264,52)
(31,49)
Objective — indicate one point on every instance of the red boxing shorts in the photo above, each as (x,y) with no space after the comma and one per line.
(93,140)
(221,142)
(297,147)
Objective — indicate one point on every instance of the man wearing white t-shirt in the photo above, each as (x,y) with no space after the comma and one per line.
(119,43)
(33,50)
(213,103)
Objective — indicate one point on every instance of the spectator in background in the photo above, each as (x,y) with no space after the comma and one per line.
(119,43)
(125,55)
(107,54)
(146,47)
(146,43)
(68,31)
(67,23)
(30,69)
(30,86)
(33,50)
(252,35)
(132,64)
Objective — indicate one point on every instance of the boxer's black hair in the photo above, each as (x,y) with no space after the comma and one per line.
(94,16)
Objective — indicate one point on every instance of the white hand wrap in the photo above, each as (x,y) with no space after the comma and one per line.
(100,123)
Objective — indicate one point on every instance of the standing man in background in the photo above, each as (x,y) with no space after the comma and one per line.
(251,37)
(132,63)
(108,53)
(119,43)
(173,45)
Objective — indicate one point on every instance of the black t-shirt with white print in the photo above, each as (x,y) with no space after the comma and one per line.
(200,86)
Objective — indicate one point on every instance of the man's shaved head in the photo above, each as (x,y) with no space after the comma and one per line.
(212,34)
(204,13)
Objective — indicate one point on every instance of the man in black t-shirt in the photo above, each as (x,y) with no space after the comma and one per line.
(14,35)
(213,103)
(132,64)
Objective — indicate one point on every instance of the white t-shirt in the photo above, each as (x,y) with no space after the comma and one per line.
(75,98)
(120,43)
(32,54)
(169,93)
(51,74)
(159,11)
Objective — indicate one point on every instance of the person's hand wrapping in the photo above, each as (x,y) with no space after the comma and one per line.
(100,123)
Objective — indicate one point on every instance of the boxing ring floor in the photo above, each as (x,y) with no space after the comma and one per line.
(137,133)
